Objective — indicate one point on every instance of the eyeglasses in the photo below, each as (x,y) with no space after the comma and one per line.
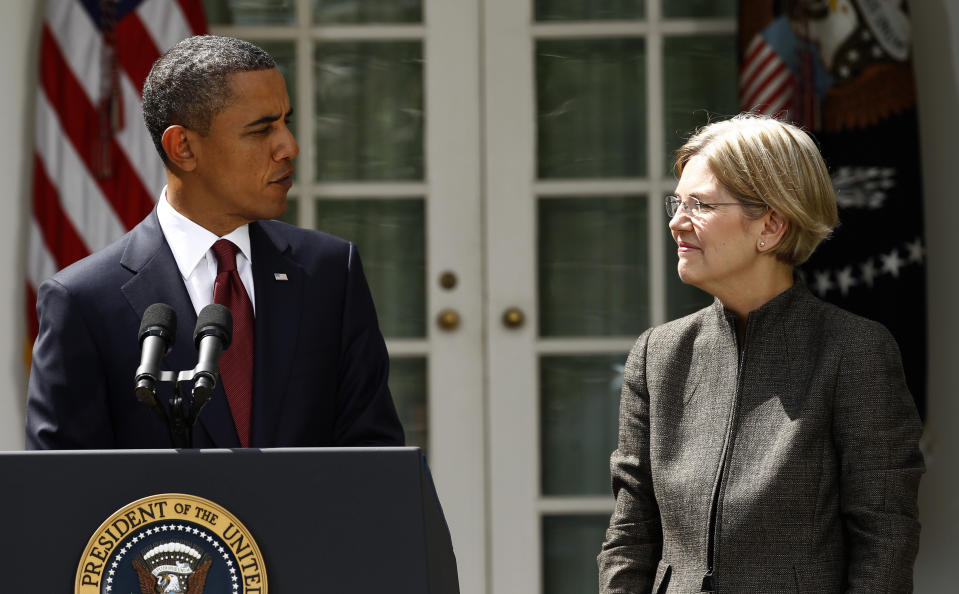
(694,207)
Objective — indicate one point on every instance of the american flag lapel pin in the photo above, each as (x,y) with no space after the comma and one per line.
(280,276)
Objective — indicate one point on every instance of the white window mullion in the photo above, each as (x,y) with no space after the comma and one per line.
(591,187)
(305,163)
(374,190)
(655,102)
(578,346)
(577,505)
(304,29)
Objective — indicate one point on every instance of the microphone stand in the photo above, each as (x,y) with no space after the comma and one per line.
(183,414)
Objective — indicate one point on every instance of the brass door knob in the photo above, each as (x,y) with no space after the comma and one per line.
(513,317)
(448,280)
(448,320)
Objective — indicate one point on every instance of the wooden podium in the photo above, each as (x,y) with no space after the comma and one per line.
(336,520)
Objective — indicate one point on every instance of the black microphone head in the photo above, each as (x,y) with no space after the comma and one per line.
(214,319)
(159,320)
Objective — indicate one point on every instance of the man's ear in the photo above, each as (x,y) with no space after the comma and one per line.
(176,144)
(774,228)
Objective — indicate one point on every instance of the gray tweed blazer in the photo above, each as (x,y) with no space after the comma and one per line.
(790,465)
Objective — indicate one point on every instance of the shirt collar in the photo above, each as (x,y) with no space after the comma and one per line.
(191,242)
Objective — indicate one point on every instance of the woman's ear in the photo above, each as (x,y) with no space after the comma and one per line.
(774,227)
(176,144)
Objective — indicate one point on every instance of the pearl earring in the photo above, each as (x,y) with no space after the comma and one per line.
(762,244)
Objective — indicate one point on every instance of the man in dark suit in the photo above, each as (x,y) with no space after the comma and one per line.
(218,111)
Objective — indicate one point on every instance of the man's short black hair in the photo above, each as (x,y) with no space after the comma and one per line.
(189,84)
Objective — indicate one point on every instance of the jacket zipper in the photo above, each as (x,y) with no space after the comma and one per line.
(709,582)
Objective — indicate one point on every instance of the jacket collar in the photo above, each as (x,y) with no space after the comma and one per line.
(157,279)
(278,281)
(772,309)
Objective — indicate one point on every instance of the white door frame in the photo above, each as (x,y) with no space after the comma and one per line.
(454,243)
(509,113)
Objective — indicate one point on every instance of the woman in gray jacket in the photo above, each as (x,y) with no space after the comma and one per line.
(767,443)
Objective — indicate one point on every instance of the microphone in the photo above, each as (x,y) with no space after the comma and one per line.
(214,331)
(157,335)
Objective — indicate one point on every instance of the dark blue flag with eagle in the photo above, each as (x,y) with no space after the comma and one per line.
(842,70)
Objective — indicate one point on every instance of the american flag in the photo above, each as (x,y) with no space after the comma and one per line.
(777,76)
(765,82)
(96,173)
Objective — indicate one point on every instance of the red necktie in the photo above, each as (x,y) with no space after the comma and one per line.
(236,364)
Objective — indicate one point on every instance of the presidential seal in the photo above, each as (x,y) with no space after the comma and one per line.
(171,544)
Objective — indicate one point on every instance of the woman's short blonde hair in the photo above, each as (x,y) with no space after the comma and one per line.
(770,163)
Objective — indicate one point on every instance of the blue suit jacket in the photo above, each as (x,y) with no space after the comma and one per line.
(320,363)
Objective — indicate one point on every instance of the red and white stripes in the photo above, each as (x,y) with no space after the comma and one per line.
(766,84)
(75,211)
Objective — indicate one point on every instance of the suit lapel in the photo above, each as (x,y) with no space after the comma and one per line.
(278,288)
(157,280)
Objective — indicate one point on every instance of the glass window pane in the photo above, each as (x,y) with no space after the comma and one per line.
(408,386)
(369,110)
(701,83)
(570,546)
(391,237)
(592,266)
(579,408)
(699,8)
(681,299)
(284,53)
(250,12)
(367,11)
(583,10)
(591,108)
(292,214)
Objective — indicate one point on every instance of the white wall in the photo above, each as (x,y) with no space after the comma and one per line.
(19,35)
(936,26)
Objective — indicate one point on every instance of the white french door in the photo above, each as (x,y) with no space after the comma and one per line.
(387,114)
(584,103)
(501,165)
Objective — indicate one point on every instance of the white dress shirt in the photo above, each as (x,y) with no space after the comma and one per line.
(191,245)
